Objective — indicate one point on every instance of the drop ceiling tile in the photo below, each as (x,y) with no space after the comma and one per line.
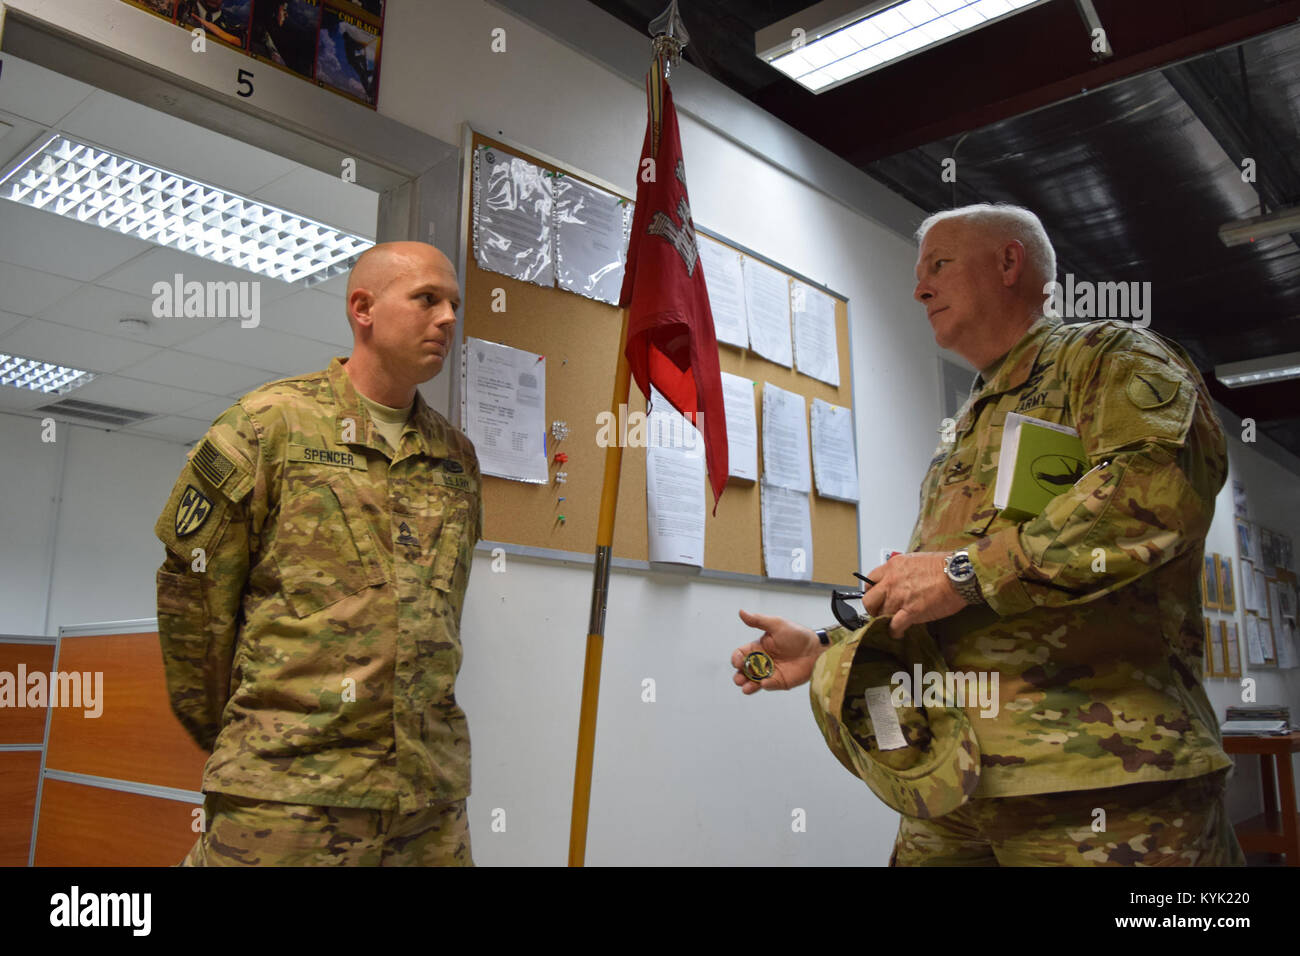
(325,198)
(208,410)
(55,244)
(172,428)
(9,320)
(182,370)
(261,348)
(20,139)
(24,399)
(142,396)
(100,309)
(162,265)
(27,291)
(313,315)
(40,95)
(174,144)
(64,345)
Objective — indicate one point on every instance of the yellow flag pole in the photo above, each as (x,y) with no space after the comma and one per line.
(669,37)
(596,627)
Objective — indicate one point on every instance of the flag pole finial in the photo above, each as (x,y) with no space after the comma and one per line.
(668,37)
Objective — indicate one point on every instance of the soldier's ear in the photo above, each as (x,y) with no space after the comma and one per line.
(360,303)
(1011,261)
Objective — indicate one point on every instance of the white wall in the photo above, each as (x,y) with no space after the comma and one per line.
(702,775)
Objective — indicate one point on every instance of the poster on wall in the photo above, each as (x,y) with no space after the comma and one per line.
(223,20)
(347,55)
(334,43)
(285,33)
(162,8)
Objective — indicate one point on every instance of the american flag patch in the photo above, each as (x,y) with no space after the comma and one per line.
(211,464)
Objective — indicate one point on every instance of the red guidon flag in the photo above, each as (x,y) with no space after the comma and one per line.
(670,339)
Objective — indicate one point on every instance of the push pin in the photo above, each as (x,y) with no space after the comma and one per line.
(561,458)
(561,498)
(561,477)
(561,519)
(559,430)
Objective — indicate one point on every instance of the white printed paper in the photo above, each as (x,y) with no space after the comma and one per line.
(503,406)
(884,718)
(815,343)
(742,426)
(1255,648)
(726,284)
(591,227)
(512,216)
(787,533)
(1284,640)
(674,486)
(767,303)
(835,458)
(785,439)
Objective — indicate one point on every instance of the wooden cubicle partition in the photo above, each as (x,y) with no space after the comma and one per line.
(120,788)
(22,737)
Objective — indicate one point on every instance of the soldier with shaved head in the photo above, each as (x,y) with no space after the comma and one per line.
(1101,747)
(318,547)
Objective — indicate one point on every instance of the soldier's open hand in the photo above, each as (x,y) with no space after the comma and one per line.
(794,650)
(913,589)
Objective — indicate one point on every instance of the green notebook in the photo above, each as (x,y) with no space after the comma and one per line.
(1039,460)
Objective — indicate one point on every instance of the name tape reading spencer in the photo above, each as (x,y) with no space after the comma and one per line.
(326,456)
(459,482)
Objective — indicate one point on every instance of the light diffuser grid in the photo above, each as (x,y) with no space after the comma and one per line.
(19,372)
(92,185)
(888,35)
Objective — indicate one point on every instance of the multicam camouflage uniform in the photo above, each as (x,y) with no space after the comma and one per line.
(1093,619)
(309,605)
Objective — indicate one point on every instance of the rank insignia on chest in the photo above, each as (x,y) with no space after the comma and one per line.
(404,535)
(192,511)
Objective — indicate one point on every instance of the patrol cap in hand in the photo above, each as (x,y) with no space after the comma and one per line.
(922,761)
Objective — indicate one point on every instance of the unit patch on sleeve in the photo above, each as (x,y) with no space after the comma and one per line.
(1149,389)
(192,511)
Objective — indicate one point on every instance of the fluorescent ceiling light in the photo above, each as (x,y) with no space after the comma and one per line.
(835,34)
(1274,368)
(19,372)
(1278,223)
(95,186)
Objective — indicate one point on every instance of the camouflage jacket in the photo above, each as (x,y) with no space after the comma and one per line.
(309,605)
(1093,618)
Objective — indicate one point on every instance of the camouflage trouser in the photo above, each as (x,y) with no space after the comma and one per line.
(1174,823)
(242,831)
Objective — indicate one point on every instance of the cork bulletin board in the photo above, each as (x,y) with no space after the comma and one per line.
(579,338)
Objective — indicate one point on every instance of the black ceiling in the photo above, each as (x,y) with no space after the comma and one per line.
(1132,162)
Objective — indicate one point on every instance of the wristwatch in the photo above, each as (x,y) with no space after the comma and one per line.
(962,575)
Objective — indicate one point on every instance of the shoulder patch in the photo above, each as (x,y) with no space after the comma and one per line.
(1148,388)
(191,511)
(212,464)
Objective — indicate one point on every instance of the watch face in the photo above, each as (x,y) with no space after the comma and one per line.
(960,568)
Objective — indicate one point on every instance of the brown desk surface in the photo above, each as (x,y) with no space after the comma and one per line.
(1262,743)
